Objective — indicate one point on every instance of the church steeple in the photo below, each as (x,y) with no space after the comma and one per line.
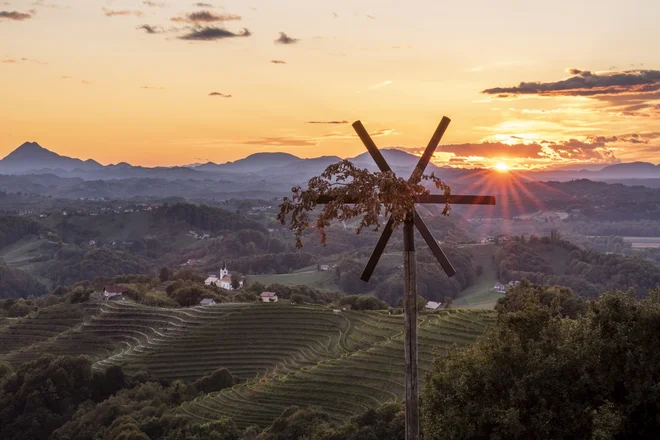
(223,269)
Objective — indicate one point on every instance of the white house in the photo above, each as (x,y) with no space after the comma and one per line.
(211,280)
(499,287)
(268,297)
(207,302)
(325,267)
(432,305)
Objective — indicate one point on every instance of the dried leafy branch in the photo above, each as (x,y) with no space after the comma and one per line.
(351,192)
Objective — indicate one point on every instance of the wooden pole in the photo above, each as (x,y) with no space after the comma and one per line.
(410,329)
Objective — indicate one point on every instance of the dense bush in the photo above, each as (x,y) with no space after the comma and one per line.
(541,376)
(216,381)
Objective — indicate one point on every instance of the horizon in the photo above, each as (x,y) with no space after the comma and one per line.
(167,83)
(496,167)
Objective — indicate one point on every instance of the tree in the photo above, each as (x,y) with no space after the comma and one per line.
(235,281)
(372,194)
(552,377)
(447,302)
(216,381)
(164,274)
(478,270)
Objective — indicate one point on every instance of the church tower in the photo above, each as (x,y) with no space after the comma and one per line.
(223,270)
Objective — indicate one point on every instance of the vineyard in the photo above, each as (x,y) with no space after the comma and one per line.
(344,362)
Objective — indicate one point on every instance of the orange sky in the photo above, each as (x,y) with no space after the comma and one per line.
(86,79)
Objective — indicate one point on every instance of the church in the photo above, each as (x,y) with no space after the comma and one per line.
(224,281)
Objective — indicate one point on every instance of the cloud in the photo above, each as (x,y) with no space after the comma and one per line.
(285,39)
(204,5)
(371,17)
(327,122)
(21,60)
(16,16)
(84,81)
(152,88)
(121,13)
(206,17)
(151,29)
(587,83)
(222,95)
(282,142)
(590,149)
(278,62)
(213,33)
(153,4)
(380,85)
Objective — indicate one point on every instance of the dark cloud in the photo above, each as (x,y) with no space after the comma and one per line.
(213,33)
(153,4)
(278,62)
(285,39)
(206,17)
(335,15)
(151,29)
(327,122)
(16,16)
(221,95)
(371,17)
(587,83)
(152,88)
(8,60)
(204,5)
(121,13)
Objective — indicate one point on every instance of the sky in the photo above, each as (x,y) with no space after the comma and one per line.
(531,84)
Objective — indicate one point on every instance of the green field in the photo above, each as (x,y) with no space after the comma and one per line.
(481,294)
(305,355)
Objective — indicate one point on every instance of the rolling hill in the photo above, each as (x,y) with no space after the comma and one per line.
(305,355)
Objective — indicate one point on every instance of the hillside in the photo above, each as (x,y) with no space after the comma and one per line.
(344,362)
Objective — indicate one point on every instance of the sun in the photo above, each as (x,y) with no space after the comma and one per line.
(502,167)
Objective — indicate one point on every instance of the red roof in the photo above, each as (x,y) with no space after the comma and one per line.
(115,289)
(268,294)
(227,278)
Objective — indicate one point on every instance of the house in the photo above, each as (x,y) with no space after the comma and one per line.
(499,287)
(268,297)
(432,305)
(211,280)
(484,240)
(114,291)
(513,283)
(207,302)
(347,306)
(325,267)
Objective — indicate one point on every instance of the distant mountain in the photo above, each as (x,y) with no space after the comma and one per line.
(637,170)
(256,162)
(32,157)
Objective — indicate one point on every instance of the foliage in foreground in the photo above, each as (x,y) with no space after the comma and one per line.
(540,375)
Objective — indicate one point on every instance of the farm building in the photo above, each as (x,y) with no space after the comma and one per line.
(207,302)
(432,305)
(114,292)
(268,297)
(325,267)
